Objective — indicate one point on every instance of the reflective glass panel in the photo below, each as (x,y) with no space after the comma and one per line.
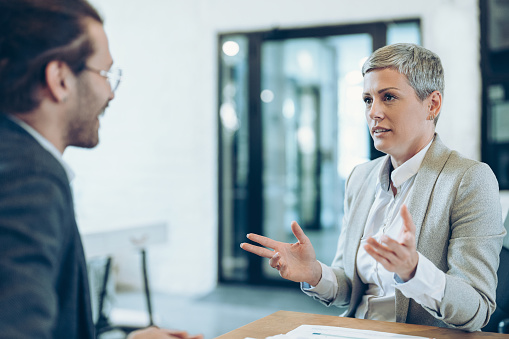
(314,132)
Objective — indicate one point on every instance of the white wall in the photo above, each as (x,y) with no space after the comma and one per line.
(157,156)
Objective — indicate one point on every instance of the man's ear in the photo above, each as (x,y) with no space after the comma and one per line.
(58,80)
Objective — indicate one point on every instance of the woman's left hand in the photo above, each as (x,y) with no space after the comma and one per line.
(399,256)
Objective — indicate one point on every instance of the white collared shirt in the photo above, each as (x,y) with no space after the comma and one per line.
(45,144)
(378,303)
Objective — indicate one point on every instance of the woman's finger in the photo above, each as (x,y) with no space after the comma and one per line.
(408,223)
(264,241)
(299,233)
(398,249)
(262,252)
(377,256)
(380,251)
(274,261)
(379,247)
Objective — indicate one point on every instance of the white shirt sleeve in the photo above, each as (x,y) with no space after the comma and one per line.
(327,287)
(427,287)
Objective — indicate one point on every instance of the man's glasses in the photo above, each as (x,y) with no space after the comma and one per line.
(113,76)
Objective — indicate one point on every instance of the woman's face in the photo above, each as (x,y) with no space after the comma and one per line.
(397,118)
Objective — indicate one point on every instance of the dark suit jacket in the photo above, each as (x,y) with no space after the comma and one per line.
(43,278)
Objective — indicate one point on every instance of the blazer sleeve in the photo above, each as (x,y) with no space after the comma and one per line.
(31,240)
(344,283)
(476,235)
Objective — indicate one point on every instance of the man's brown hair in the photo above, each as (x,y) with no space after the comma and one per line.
(32,34)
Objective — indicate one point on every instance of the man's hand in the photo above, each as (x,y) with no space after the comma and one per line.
(160,333)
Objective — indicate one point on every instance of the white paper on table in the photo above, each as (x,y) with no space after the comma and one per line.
(332,332)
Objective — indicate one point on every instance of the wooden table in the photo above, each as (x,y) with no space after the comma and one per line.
(284,321)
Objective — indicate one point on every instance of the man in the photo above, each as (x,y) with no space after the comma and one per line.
(55,82)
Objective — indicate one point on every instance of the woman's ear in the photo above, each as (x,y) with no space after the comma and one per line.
(435,103)
(58,80)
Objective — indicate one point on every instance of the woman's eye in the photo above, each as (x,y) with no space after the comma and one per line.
(367,101)
(389,97)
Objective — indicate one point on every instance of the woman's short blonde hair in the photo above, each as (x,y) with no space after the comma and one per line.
(422,67)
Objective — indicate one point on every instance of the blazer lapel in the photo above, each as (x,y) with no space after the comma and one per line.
(357,223)
(424,183)
(361,207)
(359,219)
(425,180)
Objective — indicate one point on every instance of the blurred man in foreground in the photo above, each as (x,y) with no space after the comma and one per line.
(56,79)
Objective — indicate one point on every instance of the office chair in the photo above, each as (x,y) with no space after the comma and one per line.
(103,324)
(499,321)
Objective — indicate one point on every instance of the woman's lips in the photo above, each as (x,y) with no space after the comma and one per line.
(379,130)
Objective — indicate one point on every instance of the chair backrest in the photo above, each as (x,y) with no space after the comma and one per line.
(503,281)
(502,311)
(506,225)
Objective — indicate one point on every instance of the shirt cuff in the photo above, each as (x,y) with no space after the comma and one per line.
(427,287)
(326,286)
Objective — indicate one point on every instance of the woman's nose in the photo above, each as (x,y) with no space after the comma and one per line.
(375,111)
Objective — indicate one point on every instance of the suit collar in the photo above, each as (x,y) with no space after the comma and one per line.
(358,219)
(425,181)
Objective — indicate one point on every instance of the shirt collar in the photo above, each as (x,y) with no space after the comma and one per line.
(404,172)
(48,146)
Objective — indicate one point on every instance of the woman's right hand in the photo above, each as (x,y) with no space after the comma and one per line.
(296,262)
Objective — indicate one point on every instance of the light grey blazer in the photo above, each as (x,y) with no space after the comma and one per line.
(455,206)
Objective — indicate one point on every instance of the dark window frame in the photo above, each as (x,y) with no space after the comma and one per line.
(492,74)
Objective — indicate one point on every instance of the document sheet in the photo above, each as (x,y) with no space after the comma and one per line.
(332,332)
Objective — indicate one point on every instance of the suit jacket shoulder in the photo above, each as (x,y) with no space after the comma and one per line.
(362,179)
(22,155)
(43,275)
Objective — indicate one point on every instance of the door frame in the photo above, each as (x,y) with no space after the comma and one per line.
(378,31)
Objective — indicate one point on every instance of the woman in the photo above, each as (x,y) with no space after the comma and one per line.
(433,262)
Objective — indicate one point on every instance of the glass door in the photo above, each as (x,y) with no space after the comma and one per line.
(291,129)
(311,97)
